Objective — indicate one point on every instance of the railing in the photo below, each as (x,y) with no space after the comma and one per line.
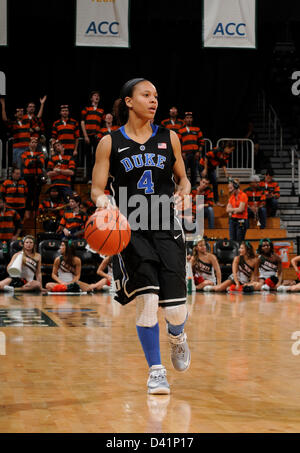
(241,162)
(207,145)
(271,124)
(295,155)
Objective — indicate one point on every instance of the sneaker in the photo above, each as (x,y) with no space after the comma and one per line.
(282,289)
(9,288)
(265,288)
(157,381)
(180,352)
(208,288)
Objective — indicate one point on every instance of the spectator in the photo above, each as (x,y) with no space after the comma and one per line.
(217,157)
(191,138)
(10,222)
(73,221)
(256,202)
(237,208)
(20,130)
(33,164)
(15,191)
(205,267)
(37,126)
(109,126)
(31,276)
(173,122)
(61,168)
(91,119)
(204,190)
(66,130)
(51,210)
(272,192)
(67,268)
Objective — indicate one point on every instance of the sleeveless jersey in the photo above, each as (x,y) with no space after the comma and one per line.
(29,268)
(244,271)
(205,270)
(142,177)
(65,272)
(267,268)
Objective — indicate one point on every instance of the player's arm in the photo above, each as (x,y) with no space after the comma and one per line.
(184,185)
(77,270)
(103,265)
(54,275)
(38,270)
(101,172)
(216,267)
(294,263)
(279,273)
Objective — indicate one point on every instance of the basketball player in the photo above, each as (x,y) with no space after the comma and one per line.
(205,266)
(31,277)
(243,269)
(144,159)
(268,267)
(67,268)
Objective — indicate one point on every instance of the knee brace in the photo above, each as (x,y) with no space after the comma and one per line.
(146,310)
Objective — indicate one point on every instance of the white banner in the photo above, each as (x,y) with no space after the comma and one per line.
(230,23)
(102,23)
(3,22)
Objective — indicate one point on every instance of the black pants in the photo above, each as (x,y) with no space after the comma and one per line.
(237,229)
(90,153)
(34,189)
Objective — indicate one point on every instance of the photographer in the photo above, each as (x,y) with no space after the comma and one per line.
(33,164)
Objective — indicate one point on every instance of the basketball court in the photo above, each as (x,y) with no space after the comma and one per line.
(74,364)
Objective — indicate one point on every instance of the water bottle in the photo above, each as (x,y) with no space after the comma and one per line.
(4,247)
(189,285)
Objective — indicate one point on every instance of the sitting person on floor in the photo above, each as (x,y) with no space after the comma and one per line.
(293,286)
(31,276)
(67,268)
(205,266)
(106,278)
(269,268)
(243,270)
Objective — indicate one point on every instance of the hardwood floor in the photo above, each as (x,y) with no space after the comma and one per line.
(74,364)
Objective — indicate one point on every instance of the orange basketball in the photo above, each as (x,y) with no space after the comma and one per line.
(107,231)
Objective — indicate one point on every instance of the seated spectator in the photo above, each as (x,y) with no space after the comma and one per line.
(51,210)
(269,267)
(204,190)
(109,126)
(272,192)
(73,221)
(31,276)
(256,202)
(237,208)
(15,191)
(191,138)
(102,271)
(292,286)
(67,268)
(173,122)
(205,266)
(61,168)
(10,222)
(217,157)
(243,270)
(91,121)
(20,130)
(34,170)
(66,130)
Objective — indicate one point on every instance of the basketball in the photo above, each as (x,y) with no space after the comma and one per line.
(107,231)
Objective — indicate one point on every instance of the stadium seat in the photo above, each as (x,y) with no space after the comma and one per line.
(89,261)
(225,251)
(3,262)
(15,246)
(48,250)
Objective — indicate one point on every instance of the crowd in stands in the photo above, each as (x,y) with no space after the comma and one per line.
(64,213)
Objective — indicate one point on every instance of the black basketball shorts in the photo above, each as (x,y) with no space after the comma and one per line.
(153,262)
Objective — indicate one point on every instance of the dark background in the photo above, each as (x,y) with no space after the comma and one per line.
(218,85)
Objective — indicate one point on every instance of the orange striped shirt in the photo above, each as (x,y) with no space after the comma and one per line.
(10,221)
(33,162)
(35,122)
(15,193)
(255,196)
(215,158)
(174,125)
(270,187)
(47,205)
(208,198)
(92,118)
(105,131)
(191,138)
(72,221)
(20,131)
(65,163)
(66,132)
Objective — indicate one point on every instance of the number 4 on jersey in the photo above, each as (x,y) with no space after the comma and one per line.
(145,183)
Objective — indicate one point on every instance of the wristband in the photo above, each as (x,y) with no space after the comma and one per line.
(102,201)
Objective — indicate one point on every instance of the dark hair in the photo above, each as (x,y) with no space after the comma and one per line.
(270,172)
(259,249)
(120,107)
(69,252)
(76,198)
(14,168)
(249,249)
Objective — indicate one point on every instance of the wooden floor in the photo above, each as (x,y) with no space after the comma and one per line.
(74,364)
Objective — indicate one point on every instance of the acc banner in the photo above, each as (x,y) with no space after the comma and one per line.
(230,23)
(3,22)
(102,23)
